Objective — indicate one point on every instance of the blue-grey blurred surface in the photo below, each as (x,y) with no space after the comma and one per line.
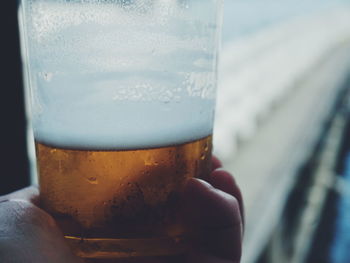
(340,249)
(244,17)
(283,67)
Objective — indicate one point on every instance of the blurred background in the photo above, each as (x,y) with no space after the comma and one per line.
(281,124)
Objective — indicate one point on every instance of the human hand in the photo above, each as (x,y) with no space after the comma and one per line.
(28,234)
(212,211)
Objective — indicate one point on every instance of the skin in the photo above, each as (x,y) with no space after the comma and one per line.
(213,213)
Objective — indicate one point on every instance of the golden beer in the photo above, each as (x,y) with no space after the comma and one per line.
(120,203)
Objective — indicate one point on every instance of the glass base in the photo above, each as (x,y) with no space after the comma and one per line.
(109,248)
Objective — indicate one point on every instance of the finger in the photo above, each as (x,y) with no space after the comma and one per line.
(224,181)
(215,163)
(213,219)
(30,194)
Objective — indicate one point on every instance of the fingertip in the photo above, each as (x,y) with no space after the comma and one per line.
(216,163)
(226,182)
(197,185)
(221,177)
(194,191)
(209,206)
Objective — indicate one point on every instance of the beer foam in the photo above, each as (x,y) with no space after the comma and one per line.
(125,125)
(120,74)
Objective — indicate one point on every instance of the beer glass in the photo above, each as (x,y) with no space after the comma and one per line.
(122,96)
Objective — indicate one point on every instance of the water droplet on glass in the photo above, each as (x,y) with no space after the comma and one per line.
(93,180)
(47,76)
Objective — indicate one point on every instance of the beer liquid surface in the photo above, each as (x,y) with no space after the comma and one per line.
(122,195)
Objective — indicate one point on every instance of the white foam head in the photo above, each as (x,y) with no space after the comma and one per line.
(120,74)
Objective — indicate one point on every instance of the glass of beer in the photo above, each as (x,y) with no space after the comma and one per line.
(122,97)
